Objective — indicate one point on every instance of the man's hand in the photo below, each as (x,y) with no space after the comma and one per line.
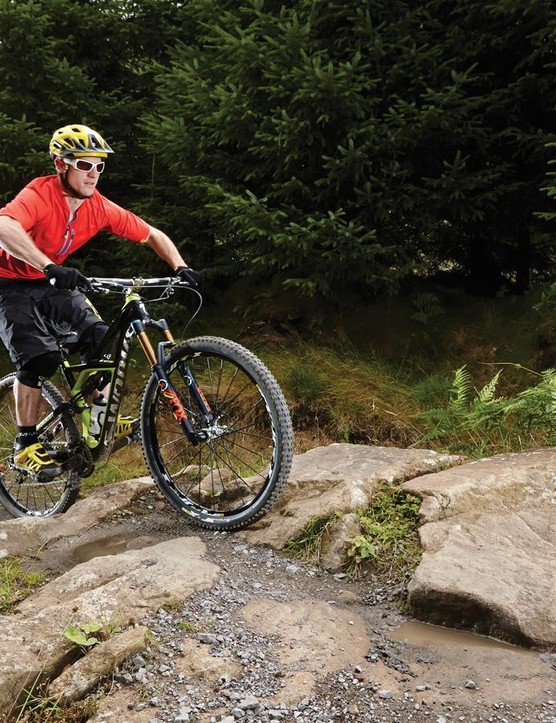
(186,274)
(63,277)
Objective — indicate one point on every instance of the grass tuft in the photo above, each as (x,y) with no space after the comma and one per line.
(16,583)
(388,545)
(308,545)
(389,542)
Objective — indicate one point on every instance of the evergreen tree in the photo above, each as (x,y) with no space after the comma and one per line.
(330,144)
(548,43)
(319,144)
(507,44)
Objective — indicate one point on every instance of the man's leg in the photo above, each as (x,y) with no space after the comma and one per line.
(26,404)
(29,453)
(36,355)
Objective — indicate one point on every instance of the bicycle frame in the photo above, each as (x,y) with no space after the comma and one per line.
(222,464)
(109,367)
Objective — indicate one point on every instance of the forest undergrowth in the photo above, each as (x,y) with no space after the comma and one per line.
(445,372)
(437,371)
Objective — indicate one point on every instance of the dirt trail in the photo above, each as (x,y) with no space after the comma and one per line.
(285,630)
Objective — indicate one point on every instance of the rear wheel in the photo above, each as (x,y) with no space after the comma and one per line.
(20,493)
(237,470)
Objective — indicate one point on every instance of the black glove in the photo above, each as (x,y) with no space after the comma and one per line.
(63,277)
(184,273)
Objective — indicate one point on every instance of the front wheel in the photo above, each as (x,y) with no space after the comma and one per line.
(238,469)
(20,492)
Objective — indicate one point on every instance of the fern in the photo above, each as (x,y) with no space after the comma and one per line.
(461,390)
(489,390)
(486,423)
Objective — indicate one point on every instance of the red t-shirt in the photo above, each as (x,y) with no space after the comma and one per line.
(41,208)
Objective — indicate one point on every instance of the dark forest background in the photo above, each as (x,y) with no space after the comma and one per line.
(317,147)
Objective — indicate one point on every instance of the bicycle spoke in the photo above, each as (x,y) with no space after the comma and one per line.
(242,455)
(20,492)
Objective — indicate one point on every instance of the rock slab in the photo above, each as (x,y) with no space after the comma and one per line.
(489,541)
(114,591)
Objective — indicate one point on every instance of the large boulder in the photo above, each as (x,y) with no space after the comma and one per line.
(489,536)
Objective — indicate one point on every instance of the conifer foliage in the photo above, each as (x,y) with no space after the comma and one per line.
(335,144)
(321,145)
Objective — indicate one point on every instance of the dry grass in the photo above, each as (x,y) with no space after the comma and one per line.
(344,397)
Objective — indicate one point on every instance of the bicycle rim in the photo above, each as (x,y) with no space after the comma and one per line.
(235,475)
(20,494)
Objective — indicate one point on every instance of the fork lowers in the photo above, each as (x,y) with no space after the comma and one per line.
(241,460)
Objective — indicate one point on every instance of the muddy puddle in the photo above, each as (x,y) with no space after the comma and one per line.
(113,545)
(434,636)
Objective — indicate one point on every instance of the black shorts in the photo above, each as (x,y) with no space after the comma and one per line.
(26,310)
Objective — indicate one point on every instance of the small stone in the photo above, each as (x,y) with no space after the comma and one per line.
(207,638)
(138,661)
(249,703)
(140,675)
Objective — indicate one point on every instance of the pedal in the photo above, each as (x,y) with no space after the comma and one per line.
(76,459)
(62,456)
(127,432)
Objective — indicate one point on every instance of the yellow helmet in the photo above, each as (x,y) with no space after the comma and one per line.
(78,140)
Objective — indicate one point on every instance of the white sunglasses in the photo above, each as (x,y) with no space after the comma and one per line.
(81,164)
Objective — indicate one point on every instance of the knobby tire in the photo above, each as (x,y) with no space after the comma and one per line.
(237,474)
(19,493)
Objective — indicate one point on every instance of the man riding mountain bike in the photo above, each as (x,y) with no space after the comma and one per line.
(40,228)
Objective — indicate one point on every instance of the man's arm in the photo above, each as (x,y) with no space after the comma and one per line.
(17,242)
(164,247)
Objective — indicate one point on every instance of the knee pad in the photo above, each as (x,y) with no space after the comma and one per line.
(91,338)
(42,366)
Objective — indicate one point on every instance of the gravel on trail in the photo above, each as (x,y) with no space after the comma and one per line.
(249,681)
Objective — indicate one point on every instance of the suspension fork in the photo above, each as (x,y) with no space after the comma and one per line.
(165,385)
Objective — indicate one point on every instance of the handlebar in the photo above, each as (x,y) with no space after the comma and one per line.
(112,284)
(166,284)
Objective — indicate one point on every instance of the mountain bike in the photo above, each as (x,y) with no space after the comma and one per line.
(214,425)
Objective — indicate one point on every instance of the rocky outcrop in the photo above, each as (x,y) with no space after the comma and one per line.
(489,539)
(339,477)
(488,531)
